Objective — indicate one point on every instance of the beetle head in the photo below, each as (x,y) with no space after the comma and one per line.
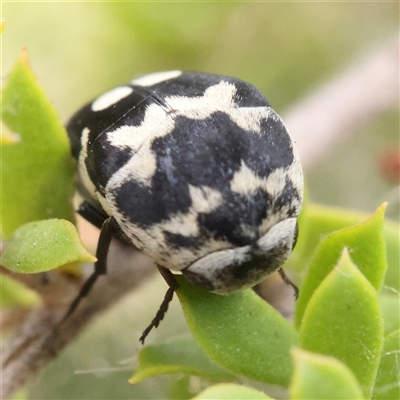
(229,270)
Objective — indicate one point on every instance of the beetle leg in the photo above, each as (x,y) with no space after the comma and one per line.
(92,214)
(286,279)
(108,230)
(173,285)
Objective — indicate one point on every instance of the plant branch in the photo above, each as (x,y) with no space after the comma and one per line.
(345,104)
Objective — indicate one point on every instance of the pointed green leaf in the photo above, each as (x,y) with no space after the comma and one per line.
(181,387)
(182,356)
(392,237)
(390,306)
(366,245)
(230,391)
(14,293)
(318,377)
(37,169)
(241,332)
(317,221)
(343,319)
(44,245)
(387,385)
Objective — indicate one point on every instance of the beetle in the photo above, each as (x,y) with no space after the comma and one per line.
(195,170)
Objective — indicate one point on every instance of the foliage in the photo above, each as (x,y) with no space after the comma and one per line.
(37,170)
(345,330)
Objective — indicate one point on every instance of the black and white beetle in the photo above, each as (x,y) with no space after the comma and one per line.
(195,170)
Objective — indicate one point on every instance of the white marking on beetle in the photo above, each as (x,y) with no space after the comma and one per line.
(205,199)
(295,173)
(140,168)
(283,231)
(143,164)
(110,98)
(82,171)
(152,240)
(249,118)
(213,265)
(247,182)
(156,123)
(249,232)
(276,182)
(157,77)
(180,257)
(104,203)
(182,224)
(216,97)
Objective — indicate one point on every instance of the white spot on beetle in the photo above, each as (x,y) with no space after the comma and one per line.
(295,173)
(246,182)
(152,240)
(157,77)
(156,123)
(140,168)
(82,171)
(182,224)
(216,97)
(112,97)
(205,199)
(104,203)
(249,118)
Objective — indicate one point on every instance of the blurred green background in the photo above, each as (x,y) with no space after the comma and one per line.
(81,49)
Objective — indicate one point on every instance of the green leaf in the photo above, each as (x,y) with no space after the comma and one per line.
(366,245)
(14,293)
(241,332)
(390,306)
(230,391)
(343,319)
(44,245)
(392,237)
(178,356)
(316,221)
(387,385)
(37,170)
(182,387)
(321,377)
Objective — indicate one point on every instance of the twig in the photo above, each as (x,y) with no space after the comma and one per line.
(345,104)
